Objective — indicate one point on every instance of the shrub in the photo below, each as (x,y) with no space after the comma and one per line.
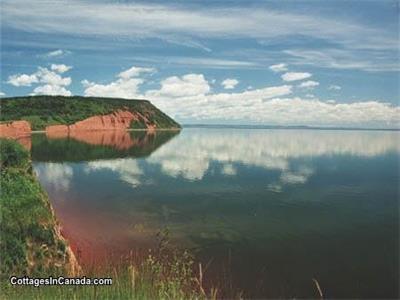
(13,154)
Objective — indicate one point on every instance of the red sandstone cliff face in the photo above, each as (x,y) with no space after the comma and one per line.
(15,129)
(84,130)
(119,120)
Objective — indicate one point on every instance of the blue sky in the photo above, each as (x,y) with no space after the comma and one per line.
(325,63)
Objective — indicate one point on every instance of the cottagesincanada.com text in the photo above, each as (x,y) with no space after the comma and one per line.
(60,280)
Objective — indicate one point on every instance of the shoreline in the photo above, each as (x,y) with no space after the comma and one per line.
(132,129)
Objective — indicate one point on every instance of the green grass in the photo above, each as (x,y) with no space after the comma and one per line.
(28,241)
(166,274)
(42,111)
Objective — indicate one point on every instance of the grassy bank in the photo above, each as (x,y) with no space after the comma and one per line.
(42,111)
(30,242)
(31,245)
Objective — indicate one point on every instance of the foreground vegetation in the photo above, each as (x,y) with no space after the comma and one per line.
(31,246)
(165,274)
(42,111)
(30,243)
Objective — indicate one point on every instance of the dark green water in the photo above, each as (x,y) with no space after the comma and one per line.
(269,210)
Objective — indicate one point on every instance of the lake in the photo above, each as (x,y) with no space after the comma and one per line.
(265,210)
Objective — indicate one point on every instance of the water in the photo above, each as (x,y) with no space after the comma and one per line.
(266,210)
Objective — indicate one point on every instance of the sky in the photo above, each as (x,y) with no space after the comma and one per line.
(316,63)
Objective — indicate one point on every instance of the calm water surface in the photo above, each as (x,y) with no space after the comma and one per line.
(268,210)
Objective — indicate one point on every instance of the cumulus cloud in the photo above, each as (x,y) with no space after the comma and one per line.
(278,67)
(52,82)
(334,87)
(185,86)
(294,76)
(126,86)
(121,88)
(52,78)
(310,84)
(189,97)
(60,68)
(53,90)
(2,94)
(267,106)
(22,79)
(229,83)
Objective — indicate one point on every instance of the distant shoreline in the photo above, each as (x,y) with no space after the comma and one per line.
(222,126)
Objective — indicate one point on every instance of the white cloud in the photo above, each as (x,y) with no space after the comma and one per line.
(53,90)
(126,86)
(22,79)
(2,94)
(134,72)
(334,87)
(121,88)
(190,98)
(310,84)
(61,68)
(52,78)
(53,83)
(229,83)
(266,106)
(294,76)
(185,86)
(278,67)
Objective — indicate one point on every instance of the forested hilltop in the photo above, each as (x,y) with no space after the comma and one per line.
(43,111)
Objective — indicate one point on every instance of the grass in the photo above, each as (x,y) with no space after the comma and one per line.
(30,245)
(29,242)
(165,274)
(42,111)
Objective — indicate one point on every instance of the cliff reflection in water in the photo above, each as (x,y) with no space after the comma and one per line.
(94,145)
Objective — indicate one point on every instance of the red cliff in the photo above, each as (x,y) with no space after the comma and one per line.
(15,129)
(119,120)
